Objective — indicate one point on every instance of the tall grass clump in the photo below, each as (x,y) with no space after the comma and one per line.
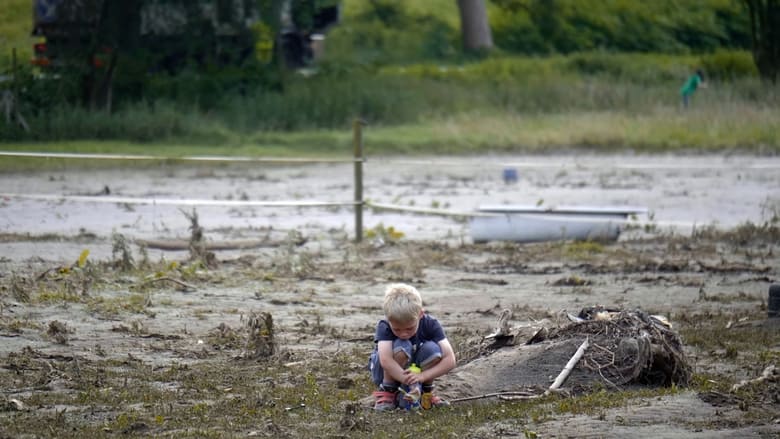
(141,122)
(325,102)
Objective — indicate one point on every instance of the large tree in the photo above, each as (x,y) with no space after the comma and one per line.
(765,32)
(475,26)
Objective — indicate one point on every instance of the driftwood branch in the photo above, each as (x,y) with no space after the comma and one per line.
(569,367)
(500,395)
(176,281)
(180,244)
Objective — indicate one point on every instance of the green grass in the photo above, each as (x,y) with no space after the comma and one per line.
(662,129)
(504,105)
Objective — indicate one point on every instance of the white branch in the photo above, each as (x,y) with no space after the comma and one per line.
(569,366)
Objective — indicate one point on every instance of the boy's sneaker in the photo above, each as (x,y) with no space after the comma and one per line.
(428,401)
(384,401)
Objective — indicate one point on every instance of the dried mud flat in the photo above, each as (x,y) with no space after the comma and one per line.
(125,342)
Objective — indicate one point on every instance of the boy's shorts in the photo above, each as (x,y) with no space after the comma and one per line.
(421,356)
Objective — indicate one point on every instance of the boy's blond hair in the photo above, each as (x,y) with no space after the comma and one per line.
(403,303)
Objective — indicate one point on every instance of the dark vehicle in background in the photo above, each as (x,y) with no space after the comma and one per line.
(93,38)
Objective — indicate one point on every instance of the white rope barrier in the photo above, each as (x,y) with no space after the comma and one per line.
(583,165)
(64,155)
(176,202)
(384,160)
(358,204)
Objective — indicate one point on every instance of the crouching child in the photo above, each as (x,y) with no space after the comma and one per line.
(408,336)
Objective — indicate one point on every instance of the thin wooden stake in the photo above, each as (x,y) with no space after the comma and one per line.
(357,140)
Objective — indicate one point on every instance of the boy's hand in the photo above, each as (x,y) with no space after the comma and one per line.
(411,378)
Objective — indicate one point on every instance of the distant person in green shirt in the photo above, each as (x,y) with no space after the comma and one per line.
(695,81)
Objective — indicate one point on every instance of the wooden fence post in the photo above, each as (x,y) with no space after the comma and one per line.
(357,141)
(13,66)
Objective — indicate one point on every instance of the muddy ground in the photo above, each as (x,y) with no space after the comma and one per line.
(132,340)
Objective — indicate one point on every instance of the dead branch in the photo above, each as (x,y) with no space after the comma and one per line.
(500,395)
(518,397)
(170,279)
(180,244)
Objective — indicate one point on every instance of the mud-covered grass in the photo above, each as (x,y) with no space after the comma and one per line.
(317,397)
(107,348)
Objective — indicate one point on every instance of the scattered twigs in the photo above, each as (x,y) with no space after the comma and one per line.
(569,367)
(769,374)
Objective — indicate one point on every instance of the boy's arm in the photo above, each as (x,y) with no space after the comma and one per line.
(446,364)
(385,350)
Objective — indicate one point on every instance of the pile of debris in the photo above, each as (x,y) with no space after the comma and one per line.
(629,347)
(599,346)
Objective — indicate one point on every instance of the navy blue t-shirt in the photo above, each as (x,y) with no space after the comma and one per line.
(429,329)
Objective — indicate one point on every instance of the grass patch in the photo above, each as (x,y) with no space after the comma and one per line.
(135,303)
(582,249)
(739,337)
(663,129)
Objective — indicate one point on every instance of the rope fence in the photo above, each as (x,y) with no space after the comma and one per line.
(176,202)
(358,203)
(279,160)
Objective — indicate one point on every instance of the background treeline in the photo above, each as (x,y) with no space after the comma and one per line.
(400,63)
(666,26)
(391,31)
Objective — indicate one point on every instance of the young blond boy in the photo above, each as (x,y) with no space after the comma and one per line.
(408,335)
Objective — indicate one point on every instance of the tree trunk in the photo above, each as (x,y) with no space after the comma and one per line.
(475,26)
(765,34)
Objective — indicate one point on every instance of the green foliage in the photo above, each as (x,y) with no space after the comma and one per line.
(389,234)
(727,65)
(15,25)
(634,68)
(398,65)
(426,92)
(667,26)
(387,31)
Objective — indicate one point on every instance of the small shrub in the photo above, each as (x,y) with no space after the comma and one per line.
(727,65)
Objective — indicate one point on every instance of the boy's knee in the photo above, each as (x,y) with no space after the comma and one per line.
(402,351)
(429,354)
(401,358)
(431,362)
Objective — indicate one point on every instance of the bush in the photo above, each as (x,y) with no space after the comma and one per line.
(666,26)
(727,65)
(385,32)
(635,68)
